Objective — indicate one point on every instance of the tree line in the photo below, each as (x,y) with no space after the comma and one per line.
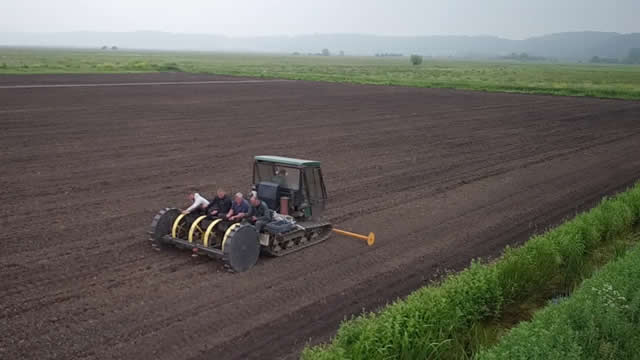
(632,58)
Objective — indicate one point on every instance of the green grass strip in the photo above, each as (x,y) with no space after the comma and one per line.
(438,322)
(607,81)
(601,320)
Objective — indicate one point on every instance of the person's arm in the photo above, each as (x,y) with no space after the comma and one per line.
(226,205)
(214,206)
(267,214)
(203,202)
(198,201)
(252,213)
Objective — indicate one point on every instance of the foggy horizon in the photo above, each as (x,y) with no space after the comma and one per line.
(311,34)
(253,18)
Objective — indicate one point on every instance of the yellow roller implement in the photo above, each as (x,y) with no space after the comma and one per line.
(174,229)
(226,234)
(207,233)
(371,239)
(195,227)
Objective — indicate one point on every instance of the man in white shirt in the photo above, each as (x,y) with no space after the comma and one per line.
(199,203)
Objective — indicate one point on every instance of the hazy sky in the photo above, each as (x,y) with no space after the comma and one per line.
(507,18)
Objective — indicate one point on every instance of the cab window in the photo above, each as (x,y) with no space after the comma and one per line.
(287,177)
(314,183)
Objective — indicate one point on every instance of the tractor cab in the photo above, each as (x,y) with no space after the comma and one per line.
(290,186)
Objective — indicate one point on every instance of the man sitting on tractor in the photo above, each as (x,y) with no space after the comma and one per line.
(279,176)
(239,208)
(199,204)
(220,205)
(260,215)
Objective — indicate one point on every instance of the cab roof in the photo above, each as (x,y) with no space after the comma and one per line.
(287,161)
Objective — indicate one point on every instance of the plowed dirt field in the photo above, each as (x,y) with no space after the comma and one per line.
(441,176)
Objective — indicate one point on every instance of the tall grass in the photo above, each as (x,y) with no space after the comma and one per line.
(439,322)
(601,320)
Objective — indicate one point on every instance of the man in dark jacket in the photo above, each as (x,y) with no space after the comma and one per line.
(259,214)
(220,205)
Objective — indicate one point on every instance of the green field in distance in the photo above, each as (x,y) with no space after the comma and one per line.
(607,81)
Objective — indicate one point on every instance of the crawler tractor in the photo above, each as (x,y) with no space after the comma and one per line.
(293,188)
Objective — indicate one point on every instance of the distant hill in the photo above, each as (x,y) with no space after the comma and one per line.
(569,45)
(562,46)
(617,46)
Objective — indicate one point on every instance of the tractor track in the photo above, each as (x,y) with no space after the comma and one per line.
(441,176)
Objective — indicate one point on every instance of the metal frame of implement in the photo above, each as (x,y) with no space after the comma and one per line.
(204,248)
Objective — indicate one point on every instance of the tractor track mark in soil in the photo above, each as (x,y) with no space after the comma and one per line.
(441,176)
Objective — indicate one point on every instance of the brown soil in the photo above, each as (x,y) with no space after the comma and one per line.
(441,176)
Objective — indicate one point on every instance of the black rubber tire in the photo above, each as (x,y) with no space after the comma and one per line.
(161,225)
(242,249)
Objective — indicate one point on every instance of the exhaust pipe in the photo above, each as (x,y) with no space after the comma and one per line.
(284,205)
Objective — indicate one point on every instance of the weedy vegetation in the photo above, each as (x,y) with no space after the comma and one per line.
(470,310)
(599,321)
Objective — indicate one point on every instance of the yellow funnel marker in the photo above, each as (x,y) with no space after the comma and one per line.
(371,239)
